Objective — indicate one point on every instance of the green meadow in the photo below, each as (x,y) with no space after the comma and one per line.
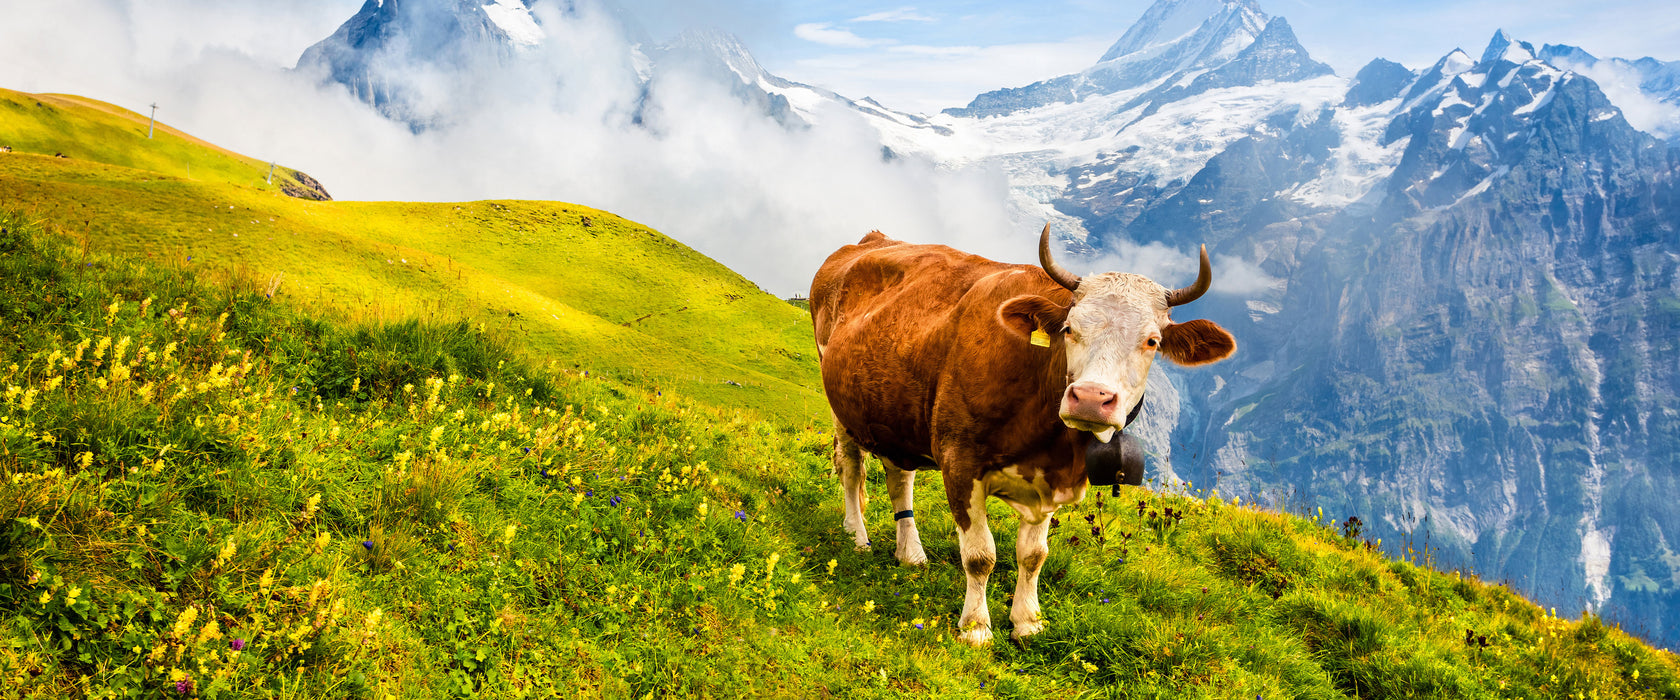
(531,449)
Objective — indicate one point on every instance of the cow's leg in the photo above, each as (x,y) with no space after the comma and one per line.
(1031,549)
(979,553)
(901,488)
(848,464)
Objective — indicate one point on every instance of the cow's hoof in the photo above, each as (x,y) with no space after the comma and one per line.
(915,558)
(861,545)
(977,637)
(1026,629)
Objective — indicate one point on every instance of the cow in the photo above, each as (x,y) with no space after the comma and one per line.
(998,375)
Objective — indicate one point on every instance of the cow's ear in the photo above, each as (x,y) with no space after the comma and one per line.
(1197,342)
(1030,312)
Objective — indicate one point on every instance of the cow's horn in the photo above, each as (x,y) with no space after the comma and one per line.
(1204,279)
(1056,272)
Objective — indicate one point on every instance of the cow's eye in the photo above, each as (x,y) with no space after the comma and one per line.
(1154,342)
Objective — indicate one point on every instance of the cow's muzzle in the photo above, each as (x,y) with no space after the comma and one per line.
(1092,407)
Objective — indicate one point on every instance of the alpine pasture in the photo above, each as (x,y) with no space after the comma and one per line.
(259,446)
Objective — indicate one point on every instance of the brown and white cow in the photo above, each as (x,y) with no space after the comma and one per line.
(930,360)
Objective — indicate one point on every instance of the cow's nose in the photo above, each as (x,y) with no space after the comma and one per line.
(1090,399)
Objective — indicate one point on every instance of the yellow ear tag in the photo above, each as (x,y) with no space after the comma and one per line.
(1040,338)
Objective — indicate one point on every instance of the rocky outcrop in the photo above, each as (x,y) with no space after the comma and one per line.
(299,184)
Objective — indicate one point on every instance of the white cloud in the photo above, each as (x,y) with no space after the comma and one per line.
(829,35)
(902,14)
(1177,268)
(926,79)
(1620,83)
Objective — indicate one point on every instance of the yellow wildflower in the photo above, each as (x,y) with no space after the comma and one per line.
(184,623)
(211,632)
(227,553)
(869,606)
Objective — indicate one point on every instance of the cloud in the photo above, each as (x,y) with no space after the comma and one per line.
(902,14)
(560,123)
(1620,83)
(829,35)
(926,79)
(1177,268)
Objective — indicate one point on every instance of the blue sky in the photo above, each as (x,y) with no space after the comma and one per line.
(938,53)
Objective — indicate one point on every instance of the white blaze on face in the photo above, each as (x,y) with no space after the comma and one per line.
(1113,333)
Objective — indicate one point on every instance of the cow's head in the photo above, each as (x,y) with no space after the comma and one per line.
(1111,333)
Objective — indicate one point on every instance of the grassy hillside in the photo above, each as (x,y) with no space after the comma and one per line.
(206,492)
(576,283)
(82,129)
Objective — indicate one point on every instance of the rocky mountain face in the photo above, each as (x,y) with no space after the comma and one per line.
(1479,349)
(1642,79)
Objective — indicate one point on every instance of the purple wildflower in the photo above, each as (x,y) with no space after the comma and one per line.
(616,500)
(527,450)
(740,515)
(237,644)
(184,686)
(367,545)
(589,494)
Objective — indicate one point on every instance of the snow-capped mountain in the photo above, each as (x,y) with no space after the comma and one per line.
(377,53)
(391,53)
(1175,39)
(1090,149)
(721,57)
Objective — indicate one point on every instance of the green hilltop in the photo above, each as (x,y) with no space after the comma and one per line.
(390,450)
(607,294)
